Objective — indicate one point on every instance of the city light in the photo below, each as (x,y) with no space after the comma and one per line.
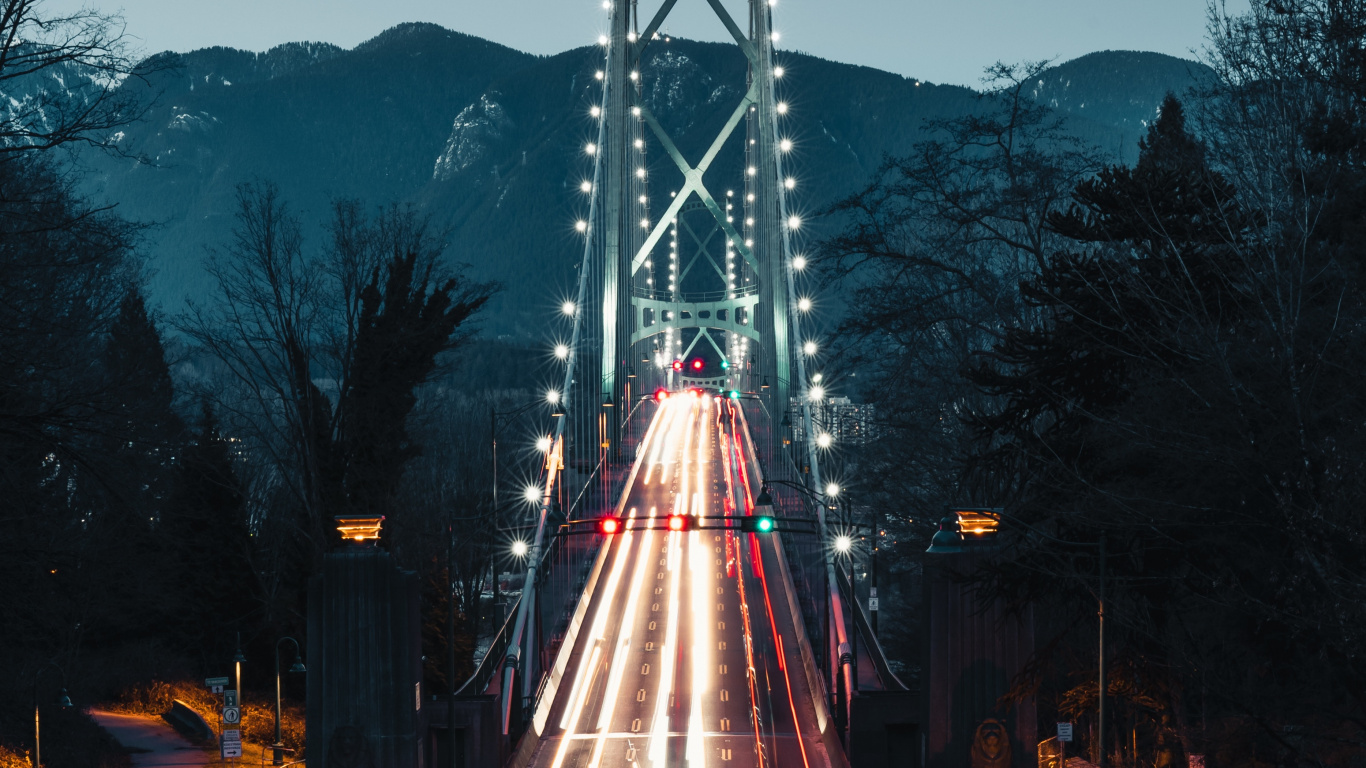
(843,543)
(785,145)
(778,71)
(595,111)
(823,440)
(794,222)
(832,489)
(782,107)
(804,304)
(581,225)
(591,148)
(799,263)
(816,393)
(562,351)
(609,525)
(586,186)
(543,444)
(532,493)
(790,183)
(809,348)
(552,396)
(519,548)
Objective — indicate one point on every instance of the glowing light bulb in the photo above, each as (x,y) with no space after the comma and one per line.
(519,549)
(562,351)
(785,145)
(817,378)
(823,440)
(591,148)
(635,75)
(790,182)
(775,37)
(644,223)
(640,173)
(640,143)
(794,222)
(581,225)
(543,444)
(843,543)
(751,170)
(568,308)
(586,186)
(816,394)
(782,107)
(804,304)
(832,489)
(532,494)
(552,396)
(778,71)
(602,39)
(595,110)
(809,348)
(799,263)
(598,74)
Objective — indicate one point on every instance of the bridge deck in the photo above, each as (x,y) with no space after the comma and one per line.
(685,651)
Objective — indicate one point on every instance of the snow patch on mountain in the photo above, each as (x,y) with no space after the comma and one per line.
(474,128)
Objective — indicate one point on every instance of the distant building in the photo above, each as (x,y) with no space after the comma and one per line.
(847,422)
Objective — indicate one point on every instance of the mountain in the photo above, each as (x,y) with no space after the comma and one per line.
(490,141)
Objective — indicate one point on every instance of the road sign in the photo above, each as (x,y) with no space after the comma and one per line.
(229,698)
(219,681)
(215,689)
(232,734)
(872,598)
(1064,731)
(232,750)
(231,714)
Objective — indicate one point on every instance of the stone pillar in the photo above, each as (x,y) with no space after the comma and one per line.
(364,663)
(973,649)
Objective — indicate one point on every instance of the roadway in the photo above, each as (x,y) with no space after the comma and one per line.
(685,652)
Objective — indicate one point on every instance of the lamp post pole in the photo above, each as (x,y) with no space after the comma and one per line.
(64,702)
(298,666)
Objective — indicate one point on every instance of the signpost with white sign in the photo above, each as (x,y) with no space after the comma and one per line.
(1064,731)
(216,684)
(872,599)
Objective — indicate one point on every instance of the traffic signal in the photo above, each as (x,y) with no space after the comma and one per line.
(756,524)
(678,523)
(734,394)
(678,365)
(661,395)
(725,364)
(697,364)
(609,526)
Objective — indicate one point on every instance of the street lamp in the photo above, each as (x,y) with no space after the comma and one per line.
(519,548)
(298,666)
(63,701)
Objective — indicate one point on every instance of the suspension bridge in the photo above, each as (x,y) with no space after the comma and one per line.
(682,602)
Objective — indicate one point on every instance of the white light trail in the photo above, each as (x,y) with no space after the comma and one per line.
(659,728)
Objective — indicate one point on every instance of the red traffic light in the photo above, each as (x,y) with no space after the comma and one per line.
(678,365)
(697,364)
(678,523)
(661,395)
(609,525)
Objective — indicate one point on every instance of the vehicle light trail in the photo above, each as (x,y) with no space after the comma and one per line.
(659,729)
(588,668)
(623,645)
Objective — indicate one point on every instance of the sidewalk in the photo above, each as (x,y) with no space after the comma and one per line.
(150,741)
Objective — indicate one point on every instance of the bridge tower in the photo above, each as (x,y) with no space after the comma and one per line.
(710,274)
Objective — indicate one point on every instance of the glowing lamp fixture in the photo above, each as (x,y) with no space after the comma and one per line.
(785,145)
(978,523)
(359,528)
(809,348)
(532,493)
(832,490)
(552,396)
(519,548)
(824,440)
(843,543)
(816,393)
(778,71)
(562,351)
(799,263)
(581,225)
(568,308)
(678,523)
(804,304)
(543,444)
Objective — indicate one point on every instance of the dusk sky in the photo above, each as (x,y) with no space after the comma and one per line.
(944,42)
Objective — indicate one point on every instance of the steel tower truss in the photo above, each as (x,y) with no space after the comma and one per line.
(755,302)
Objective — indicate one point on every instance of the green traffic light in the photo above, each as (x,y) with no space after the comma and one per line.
(764,524)
(734,395)
(725,364)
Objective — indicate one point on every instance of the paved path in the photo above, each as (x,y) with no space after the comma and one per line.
(151,741)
